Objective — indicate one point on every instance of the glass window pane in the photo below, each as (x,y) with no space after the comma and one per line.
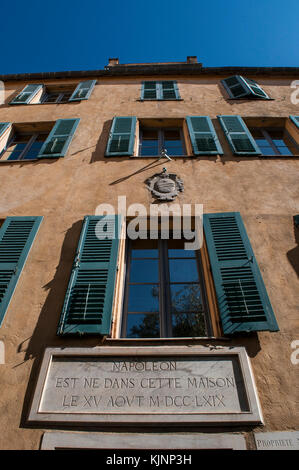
(143,298)
(188,324)
(33,151)
(183,270)
(14,151)
(144,270)
(267,150)
(143,326)
(186,298)
(176,249)
(145,249)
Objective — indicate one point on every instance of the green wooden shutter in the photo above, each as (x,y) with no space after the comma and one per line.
(241,87)
(255,89)
(122,136)
(238,135)
(59,139)
(149,90)
(203,136)
(242,297)
(3,127)
(169,90)
(295,120)
(16,238)
(88,302)
(83,90)
(27,94)
(235,87)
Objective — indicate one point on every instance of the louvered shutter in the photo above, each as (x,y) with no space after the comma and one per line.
(238,135)
(169,90)
(88,302)
(203,136)
(59,139)
(241,87)
(83,90)
(122,136)
(16,237)
(149,90)
(27,94)
(255,89)
(235,87)
(3,127)
(242,297)
(295,120)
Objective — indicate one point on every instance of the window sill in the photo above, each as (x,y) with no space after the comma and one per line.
(278,156)
(250,99)
(169,340)
(35,104)
(155,99)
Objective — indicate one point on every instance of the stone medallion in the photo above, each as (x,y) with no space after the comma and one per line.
(164,186)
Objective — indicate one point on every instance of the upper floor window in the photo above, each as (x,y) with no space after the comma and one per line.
(153,141)
(23,146)
(40,93)
(161,90)
(241,87)
(29,141)
(55,97)
(194,135)
(275,141)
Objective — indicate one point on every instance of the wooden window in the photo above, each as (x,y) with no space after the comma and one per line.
(165,294)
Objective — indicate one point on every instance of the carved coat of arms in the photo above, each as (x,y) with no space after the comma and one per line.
(165,186)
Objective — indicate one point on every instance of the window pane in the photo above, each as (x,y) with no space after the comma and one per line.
(188,324)
(176,249)
(143,298)
(144,270)
(172,142)
(183,270)
(186,298)
(33,151)
(51,97)
(143,326)
(145,249)
(14,151)
(149,143)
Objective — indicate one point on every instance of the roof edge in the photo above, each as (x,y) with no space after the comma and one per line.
(152,69)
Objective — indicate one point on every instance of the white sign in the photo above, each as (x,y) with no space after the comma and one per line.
(173,385)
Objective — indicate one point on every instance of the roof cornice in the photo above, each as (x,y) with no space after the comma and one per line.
(153,70)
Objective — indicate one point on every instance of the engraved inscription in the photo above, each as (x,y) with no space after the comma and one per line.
(147,385)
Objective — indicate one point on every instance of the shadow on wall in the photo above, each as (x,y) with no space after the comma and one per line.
(293,255)
(44,334)
(99,152)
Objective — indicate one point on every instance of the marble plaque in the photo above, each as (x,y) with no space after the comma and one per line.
(146,385)
(283,440)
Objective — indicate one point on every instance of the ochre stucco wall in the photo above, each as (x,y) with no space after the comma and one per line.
(265,192)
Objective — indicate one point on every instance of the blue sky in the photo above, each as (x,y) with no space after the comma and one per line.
(64,35)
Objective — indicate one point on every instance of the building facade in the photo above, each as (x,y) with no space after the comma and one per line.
(110,341)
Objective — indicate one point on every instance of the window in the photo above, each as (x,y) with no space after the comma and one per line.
(162,90)
(153,141)
(241,87)
(192,135)
(169,291)
(23,146)
(164,291)
(30,141)
(275,141)
(55,97)
(58,93)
